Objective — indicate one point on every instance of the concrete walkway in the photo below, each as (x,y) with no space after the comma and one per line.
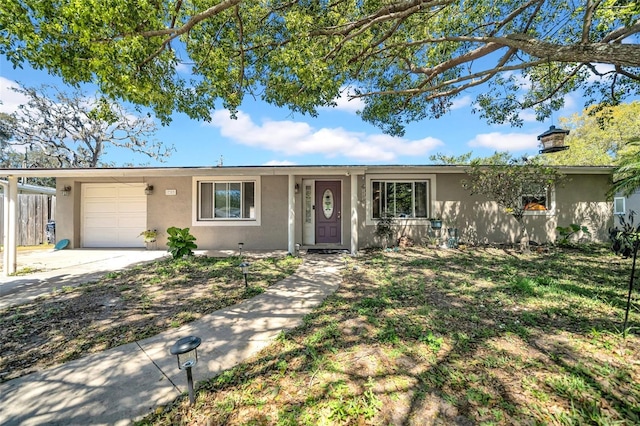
(126,383)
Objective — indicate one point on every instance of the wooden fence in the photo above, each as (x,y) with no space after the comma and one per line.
(34,211)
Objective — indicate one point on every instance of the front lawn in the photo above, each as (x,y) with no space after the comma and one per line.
(126,306)
(424,336)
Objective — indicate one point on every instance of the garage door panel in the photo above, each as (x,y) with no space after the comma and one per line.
(126,207)
(100,191)
(101,207)
(130,239)
(101,222)
(114,215)
(132,222)
(130,191)
(101,238)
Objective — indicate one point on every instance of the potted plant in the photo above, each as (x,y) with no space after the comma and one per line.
(149,236)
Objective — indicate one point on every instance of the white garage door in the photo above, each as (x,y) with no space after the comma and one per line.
(113,215)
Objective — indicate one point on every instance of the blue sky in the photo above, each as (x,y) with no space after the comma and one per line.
(266,135)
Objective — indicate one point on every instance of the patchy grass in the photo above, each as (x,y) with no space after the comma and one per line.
(419,337)
(126,306)
(26,271)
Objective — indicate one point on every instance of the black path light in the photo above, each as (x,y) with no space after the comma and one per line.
(186,351)
(240,245)
(553,140)
(244,266)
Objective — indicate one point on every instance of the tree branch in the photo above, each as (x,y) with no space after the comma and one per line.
(195,19)
(614,54)
(386,13)
(621,33)
(241,47)
(588,19)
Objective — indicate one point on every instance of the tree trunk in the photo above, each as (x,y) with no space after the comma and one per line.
(524,239)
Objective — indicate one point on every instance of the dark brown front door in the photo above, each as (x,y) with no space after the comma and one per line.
(328,214)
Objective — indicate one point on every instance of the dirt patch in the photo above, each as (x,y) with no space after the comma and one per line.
(125,307)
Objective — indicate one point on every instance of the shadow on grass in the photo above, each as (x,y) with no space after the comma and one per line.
(423,337)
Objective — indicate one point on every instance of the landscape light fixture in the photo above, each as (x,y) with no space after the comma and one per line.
(240,245)
(297,253)
(244,266)
(186,351)
(149,189)
(66,190)
(553,140)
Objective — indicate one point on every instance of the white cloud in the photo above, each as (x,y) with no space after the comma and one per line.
(505,141)
(343,103)
(279,163)
(10,99)
(527,115)
(299,138)
(570,102)
(462,102)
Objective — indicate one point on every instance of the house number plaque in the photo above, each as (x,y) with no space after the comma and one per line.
(327,203)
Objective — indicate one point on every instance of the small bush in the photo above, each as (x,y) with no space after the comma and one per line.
(180,242)
(565,233)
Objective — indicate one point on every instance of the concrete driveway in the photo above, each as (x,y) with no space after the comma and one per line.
(57,268)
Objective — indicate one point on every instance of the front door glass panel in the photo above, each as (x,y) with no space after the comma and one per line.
(327,203)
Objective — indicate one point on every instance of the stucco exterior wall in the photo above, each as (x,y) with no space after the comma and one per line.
(632,203)
(582,200)
(165,211)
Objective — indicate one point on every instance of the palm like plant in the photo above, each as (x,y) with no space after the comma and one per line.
(627,173)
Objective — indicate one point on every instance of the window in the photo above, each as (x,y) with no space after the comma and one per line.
(400,199)
(619,205)
(538,200)
(226,200)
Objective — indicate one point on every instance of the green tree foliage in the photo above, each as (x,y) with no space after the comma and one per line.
(506,180)
(598,135)
(56,129)
(5,136)
(451,160)
(626,176)
(407,59)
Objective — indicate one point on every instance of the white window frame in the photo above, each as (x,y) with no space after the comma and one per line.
(196,221)
(401,178)
(624,205)
(551,204)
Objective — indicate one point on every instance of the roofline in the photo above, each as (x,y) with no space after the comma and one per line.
(36,189)
(265,170)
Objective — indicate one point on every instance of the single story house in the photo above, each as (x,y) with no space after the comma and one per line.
(277,207)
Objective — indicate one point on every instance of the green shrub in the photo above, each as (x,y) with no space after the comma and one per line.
(180,242)
(566,232)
